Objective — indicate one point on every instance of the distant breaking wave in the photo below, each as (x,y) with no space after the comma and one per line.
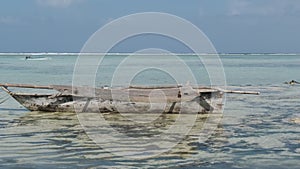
(37,59)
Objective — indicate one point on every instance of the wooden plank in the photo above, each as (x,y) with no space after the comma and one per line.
(69,89)
(26,86)
(240,92)
(154,86)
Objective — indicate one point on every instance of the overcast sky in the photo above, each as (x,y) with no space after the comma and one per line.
(234,26)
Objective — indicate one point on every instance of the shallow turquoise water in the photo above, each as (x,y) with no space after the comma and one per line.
(255,132)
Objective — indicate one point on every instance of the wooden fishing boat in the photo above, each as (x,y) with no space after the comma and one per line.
(133,99)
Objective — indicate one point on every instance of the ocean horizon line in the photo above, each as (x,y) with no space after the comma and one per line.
(125,53)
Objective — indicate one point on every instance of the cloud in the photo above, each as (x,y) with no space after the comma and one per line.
(263,7)
(238,7)
(57,3)
(8,20)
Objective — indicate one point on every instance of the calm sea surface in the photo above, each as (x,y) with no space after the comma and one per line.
(255,132)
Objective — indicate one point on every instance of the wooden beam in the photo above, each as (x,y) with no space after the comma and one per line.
(240,92)
(26,86)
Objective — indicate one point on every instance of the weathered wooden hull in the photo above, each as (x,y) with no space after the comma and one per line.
(126,100)
(66,104)
(69,103)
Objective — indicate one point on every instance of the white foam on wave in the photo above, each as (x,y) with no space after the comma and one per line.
(37,59)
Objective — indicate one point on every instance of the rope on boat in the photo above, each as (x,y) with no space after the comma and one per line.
(55,95)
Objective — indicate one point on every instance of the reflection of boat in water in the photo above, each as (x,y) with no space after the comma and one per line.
(63,130)
(167,141)
(37,58)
